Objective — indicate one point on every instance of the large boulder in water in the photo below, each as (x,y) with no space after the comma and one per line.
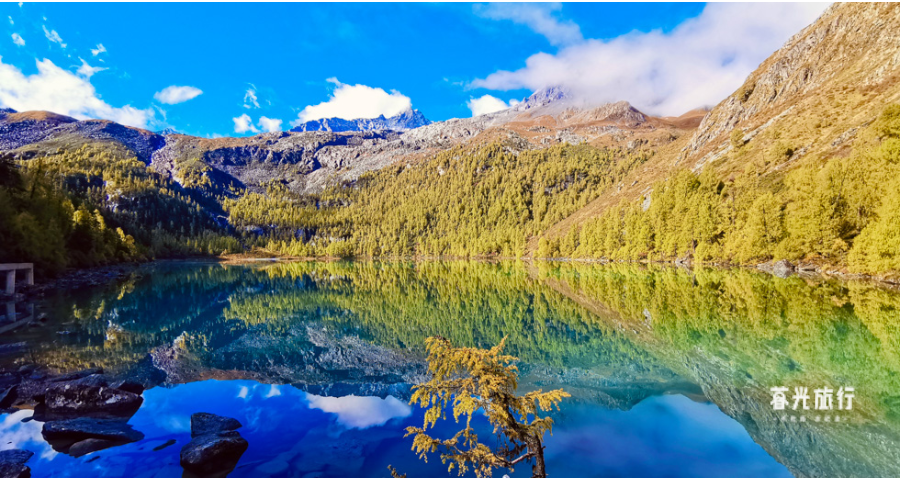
(84,428)
(215,447)
(12,463)
(90,395)
(206,423)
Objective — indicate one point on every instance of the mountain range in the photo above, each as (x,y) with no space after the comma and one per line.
(813,101)
(406,120)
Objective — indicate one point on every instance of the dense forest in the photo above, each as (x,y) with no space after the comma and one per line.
(98,204)
(840,211)
(461,202)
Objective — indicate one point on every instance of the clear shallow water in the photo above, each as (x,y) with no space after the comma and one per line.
(669,370)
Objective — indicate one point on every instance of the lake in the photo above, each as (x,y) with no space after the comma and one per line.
(670,370)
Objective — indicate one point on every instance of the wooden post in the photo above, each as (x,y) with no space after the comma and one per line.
(10,282)
(29,276)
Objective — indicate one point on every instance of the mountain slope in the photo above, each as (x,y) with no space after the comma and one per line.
(818,105)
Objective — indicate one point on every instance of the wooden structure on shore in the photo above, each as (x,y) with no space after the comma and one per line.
(10,269)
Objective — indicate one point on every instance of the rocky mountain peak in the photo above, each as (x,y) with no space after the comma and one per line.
(850,46)
(403,121)
(545,96)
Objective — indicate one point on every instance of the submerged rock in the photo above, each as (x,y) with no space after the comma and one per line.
(12,463)
(215,447)
(84,428)
(91,445)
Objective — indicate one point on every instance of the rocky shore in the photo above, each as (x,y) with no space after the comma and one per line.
(85,412)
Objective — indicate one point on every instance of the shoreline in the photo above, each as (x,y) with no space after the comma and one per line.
(94,276)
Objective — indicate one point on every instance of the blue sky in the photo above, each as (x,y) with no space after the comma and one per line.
(237,69)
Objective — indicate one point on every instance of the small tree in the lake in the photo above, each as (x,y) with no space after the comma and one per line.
(472,379)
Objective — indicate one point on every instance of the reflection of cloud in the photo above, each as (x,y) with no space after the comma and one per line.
(174,423)
(243,393)
(361,412)
(16,434)
(274,391)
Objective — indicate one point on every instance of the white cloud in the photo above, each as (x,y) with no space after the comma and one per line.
(97,51)
(488,104)
(244,124)
(53,36)
(86,70)
(270,124)
(18,40)
(11,22)
(361,412)
(536,16)
(699,63)
(63,92)
(176,94)
(356,101)
(250,99)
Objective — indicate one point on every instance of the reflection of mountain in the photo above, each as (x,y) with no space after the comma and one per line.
(612,335)
(738,333)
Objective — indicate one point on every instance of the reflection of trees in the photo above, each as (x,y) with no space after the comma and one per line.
(614,333)
(737,333)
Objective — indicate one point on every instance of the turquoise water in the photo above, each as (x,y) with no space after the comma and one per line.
(669,370)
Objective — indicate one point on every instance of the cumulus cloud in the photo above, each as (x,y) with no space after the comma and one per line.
(18,40)
(270,124)
(361,412)
(488,104)
(63,92)
(97,51)
(244,124)
(356,101)
(250,98)
(699,63)
(86,70)
(53,36)
(176,94)
(536,16)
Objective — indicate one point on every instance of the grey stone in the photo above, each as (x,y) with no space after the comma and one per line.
(87,396)
(85,428)
(782,268)
(213,454)
(12,463)
(206,423)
